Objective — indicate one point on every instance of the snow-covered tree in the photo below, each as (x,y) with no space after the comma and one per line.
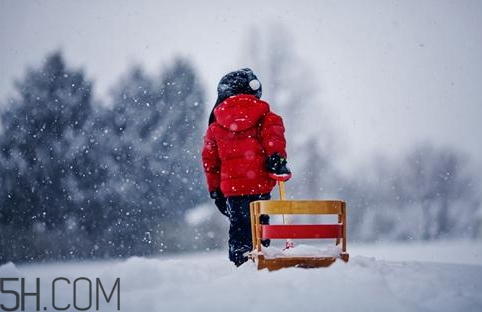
(42,135)
(438,179)
(155,147)
(79,179)
(182,131)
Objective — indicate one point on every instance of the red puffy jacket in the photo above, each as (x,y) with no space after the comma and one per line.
(237,144)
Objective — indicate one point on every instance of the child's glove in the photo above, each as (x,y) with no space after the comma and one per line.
(276,165)
(220,201)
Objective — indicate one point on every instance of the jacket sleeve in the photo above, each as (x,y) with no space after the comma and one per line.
(273,135)
(211,161)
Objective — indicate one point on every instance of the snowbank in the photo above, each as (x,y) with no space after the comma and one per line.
(208,282)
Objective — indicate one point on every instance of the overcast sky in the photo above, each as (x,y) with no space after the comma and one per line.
(392,73)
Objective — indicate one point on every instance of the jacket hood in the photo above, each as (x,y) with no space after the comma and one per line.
(240,112)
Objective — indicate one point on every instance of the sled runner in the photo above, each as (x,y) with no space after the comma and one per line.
(297,231)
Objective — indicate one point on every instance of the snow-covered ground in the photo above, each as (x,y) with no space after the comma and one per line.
(442,276)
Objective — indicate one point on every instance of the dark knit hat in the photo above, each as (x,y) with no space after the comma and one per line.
(242,81)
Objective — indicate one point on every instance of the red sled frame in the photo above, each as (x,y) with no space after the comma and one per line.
(297,231)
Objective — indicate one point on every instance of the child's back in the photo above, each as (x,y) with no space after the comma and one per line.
(243,144)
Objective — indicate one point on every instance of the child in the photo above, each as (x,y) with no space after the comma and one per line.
(244,147)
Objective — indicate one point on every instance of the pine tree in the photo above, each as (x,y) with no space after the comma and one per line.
(43,128)
(158,174)
(183,114)
(82,180)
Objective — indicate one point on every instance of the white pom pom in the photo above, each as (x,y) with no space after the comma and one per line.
(254,84)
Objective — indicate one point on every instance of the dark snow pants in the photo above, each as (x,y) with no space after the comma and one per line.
(240,229)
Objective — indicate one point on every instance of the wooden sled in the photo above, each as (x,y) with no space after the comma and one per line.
(297,231)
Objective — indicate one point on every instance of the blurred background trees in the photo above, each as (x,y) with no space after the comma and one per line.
(81,180)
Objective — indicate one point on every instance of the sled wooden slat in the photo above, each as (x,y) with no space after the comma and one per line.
(301,231)
(297,231)
(300,206)
(301,262)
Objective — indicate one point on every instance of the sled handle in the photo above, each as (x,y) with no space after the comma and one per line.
(281,187)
